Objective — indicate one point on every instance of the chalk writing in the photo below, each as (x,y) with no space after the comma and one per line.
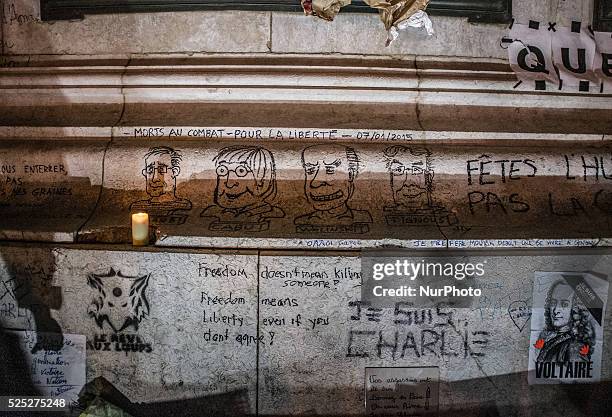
(310,323)
(302,278)
(500,204)
(487,171)
(22,181)
(223,336)
(213,271)
(32,169)
(218,317)
(508,170)
(210,299)
(280,302)
(572,206)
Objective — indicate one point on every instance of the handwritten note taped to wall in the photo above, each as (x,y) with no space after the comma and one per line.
(55,373)
(402,391)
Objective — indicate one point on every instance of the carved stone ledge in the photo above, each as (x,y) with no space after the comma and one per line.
(418,93)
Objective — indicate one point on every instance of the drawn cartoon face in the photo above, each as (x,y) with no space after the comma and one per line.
(236,185)
(408,178)
(328,183)
(159,174)
(561,305)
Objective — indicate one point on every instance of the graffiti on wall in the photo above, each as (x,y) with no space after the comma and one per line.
(245,190)
(119,303)
(338,190)
(519,313)
(162,165)
(414,333)
(411,177)
(330,172)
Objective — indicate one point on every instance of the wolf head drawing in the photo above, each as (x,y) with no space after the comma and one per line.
(121,301)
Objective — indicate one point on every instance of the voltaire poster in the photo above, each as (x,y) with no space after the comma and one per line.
(566,340)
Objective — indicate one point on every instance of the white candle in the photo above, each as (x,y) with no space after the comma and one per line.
(140,229)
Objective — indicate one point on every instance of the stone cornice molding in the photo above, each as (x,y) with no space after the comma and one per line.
(414,93)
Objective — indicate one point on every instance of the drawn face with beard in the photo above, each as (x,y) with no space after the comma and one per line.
(329,178)
(409,179)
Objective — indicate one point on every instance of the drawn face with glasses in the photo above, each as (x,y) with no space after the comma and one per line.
(409,179)
(236,185)
(160,175)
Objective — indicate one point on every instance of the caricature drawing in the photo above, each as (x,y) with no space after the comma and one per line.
(162,167)
(245,189)
(329,183)
(412,183)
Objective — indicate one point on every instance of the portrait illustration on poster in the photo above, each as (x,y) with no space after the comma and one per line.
(567,327)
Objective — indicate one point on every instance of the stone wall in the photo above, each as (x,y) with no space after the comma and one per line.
(260,32)
(238,130)
(276,189)
(282,333)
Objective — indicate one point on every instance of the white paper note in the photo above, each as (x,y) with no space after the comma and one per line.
(402,391)
(56,374)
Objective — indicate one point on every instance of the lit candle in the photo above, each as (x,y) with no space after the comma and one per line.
(140,229)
